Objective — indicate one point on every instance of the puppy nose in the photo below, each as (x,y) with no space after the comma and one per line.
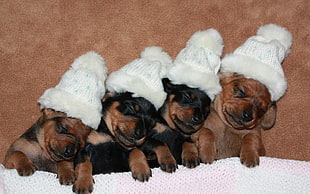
(196,119)
(68,151)
(247,116)
(139,133)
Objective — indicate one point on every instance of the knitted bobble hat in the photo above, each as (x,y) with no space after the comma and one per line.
(198,63)
(260,58)
(80,90)
(143,76)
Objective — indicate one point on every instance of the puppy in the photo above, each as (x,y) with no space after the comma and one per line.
(238,115)
(184,111)
(49,145)
(118,143)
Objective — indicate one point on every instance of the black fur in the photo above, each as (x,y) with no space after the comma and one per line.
(111,156)
(175,138)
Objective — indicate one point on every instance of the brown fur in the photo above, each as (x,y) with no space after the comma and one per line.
(237,116)
(85,181)
(49,145)
(165,158)
(138,165)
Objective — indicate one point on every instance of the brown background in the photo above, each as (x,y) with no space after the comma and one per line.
(40,39)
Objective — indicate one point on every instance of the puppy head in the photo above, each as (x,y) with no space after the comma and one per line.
(244,103)
(128,118)
(185,108)
(62,136)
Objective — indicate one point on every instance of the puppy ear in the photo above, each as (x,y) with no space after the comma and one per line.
(167,85)
(226,77)
(50,113)
(107,95)
(269,118)
(223,75)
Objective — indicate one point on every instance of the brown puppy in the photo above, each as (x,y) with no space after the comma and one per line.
(237,116)
(49,145)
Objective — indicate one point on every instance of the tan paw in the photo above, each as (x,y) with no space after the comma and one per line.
(66,177)
(26,169)
(249,159)
(83,185)
(190,159)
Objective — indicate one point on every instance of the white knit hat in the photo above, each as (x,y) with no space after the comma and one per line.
(198,63)
(260,58)
(143,76)
(80,90)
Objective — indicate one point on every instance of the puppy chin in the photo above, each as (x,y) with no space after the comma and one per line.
(129,143)
(185,128)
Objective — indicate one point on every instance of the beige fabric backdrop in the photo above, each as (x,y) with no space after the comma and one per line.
(40,39)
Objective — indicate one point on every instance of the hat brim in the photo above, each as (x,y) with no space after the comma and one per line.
(63,101)
(252,68)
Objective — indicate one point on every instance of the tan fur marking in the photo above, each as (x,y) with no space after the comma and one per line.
(160,127)
(164,156)
(84,182)
(139,166)
(65,172)
(96,138)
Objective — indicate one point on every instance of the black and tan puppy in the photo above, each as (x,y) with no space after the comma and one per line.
(49,145)
(191,84)
(69,111)
(184,111)
(118,143)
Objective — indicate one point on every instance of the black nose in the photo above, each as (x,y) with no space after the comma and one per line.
(196,119)
(68,151)
(139,133)
(246,116)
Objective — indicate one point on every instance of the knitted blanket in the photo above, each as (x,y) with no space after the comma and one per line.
(223,176)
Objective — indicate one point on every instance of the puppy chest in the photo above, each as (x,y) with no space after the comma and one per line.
(228,145)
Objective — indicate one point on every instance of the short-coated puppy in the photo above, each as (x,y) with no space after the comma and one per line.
(184,111)
(118,144)
(49,145)
(237,117)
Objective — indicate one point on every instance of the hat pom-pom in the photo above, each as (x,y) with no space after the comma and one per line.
(274,32)
(210,39)
(93,63)
(155,53)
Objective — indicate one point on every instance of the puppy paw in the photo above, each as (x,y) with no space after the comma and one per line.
(207,156)
(168,164)
(26,169)
(66,177)
(249,159)
(141,173)
(190,159)
(83,185)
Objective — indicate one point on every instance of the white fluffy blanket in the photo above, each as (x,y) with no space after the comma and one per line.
(224,176)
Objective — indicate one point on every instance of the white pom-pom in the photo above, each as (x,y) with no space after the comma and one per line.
(274,32)
(155,53)
(93,63)
(210,39)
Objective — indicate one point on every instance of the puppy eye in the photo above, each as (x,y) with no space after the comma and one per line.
(239,93)
(130,108)
(61,129)
(187,98)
